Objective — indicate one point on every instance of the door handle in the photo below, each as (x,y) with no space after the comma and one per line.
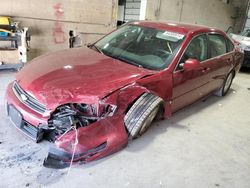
(229,60)
(205,69)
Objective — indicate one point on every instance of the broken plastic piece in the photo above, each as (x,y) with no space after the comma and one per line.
(56,159)
(59,159)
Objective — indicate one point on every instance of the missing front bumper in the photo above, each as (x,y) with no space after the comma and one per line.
(59,159)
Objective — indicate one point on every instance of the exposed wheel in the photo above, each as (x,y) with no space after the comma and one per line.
(226,85)
(140,116)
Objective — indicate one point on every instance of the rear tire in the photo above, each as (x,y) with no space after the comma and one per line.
(140,116)
(226,85)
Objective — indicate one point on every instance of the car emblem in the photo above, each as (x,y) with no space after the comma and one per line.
(24,98)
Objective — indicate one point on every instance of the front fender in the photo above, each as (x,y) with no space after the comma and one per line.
(99,139)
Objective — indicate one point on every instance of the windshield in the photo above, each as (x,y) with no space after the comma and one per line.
(141,46)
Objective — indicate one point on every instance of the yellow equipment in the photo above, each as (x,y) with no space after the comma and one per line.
(4,20)
(14,44)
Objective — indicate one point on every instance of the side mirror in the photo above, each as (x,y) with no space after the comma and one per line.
(191,64)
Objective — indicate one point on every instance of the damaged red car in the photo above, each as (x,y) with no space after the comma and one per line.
(89,101)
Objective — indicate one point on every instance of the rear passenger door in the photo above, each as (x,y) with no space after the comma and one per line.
(221,58)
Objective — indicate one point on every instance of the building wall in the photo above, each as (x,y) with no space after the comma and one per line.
(244,13)
(51,20)
(212,13)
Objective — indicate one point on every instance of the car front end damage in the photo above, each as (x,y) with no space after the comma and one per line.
(79,131)
(86,144)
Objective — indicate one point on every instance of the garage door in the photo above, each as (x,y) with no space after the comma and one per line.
(132,10)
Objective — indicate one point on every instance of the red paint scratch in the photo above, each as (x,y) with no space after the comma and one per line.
(59,12)
(58,33)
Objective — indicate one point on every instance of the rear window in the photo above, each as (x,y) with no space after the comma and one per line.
(218,45)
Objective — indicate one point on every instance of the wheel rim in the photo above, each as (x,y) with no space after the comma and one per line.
(228,82)
(148,121)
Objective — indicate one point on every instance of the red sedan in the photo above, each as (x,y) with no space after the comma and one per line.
(89,101)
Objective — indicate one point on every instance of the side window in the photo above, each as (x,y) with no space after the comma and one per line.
(197,49)
(230,46)
(217,45)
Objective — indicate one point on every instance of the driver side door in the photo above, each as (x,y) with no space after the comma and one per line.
(191,85)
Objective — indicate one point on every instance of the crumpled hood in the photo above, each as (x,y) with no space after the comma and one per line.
(76,75)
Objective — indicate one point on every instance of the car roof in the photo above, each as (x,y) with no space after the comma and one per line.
(176,27)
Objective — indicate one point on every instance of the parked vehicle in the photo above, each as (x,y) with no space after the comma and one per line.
(89,101)
(244,42)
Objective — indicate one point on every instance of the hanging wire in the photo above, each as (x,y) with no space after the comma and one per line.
(74,148)
(65,133)
(75,143)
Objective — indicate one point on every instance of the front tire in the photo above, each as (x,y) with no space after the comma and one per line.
(140,116)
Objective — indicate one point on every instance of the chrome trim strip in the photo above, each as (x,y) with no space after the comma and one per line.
(30,101)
